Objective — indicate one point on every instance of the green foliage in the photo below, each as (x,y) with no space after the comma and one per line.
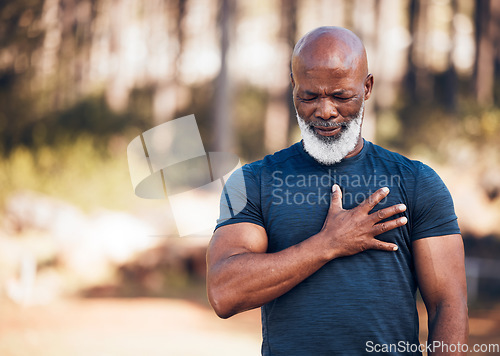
(434,131)
(79,172)
(250,109)
(91,117)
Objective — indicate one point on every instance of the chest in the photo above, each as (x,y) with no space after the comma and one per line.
(295,205)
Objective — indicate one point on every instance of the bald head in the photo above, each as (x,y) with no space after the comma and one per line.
(333,47)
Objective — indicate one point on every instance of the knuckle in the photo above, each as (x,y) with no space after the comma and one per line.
(383,227)
(379,245)
(380,215)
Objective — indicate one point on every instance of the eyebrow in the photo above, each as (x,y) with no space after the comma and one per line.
(335,92)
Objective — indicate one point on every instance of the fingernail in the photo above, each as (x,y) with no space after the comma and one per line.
(385,190)
(334,188)
(395,248)
(403,220)
(402,207)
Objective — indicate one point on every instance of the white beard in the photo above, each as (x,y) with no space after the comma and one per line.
(330,150)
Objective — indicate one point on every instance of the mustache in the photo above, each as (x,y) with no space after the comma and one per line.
(327,124)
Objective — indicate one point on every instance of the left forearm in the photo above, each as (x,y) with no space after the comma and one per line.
(448,329)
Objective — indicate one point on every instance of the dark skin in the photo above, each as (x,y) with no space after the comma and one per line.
(330,80)
(330,85)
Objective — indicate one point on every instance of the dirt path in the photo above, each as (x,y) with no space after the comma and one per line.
(154,327)
(118,327)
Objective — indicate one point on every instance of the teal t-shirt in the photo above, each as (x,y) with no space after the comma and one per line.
(356,304)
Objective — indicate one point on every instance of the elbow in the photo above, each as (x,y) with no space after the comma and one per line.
(220,302)
(222,311)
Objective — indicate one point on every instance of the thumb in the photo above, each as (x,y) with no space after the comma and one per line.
(336,201)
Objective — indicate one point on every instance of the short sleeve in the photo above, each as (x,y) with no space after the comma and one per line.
(240,199)
(433,212)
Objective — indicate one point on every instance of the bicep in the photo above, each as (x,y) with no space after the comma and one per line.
(440,268)
(236,239)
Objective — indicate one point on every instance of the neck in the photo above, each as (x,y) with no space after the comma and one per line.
(357,149)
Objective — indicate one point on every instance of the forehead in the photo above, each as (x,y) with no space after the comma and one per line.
(329,65)
(326,78)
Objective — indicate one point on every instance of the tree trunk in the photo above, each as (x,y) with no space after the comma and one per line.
(224,133)
(487,14)
(278,113)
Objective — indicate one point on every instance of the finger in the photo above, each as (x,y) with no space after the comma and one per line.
(383,246)
(388,225)
(387,212)
(336,201)
(375,198)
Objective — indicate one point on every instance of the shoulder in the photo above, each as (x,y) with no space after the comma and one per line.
(396,160)
(253,174)
(390,156)
(272,161)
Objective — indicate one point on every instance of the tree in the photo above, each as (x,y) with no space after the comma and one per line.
(487,32)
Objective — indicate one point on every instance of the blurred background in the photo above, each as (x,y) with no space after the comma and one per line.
(88,268)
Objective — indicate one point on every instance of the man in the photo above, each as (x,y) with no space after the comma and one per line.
(336,233)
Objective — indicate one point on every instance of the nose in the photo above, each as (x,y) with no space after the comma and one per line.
(326,110)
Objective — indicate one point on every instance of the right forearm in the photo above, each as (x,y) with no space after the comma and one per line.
(249,280)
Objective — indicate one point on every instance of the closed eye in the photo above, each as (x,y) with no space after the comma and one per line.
(344,98)
(307,100)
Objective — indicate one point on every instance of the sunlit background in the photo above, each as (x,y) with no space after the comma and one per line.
(88,268)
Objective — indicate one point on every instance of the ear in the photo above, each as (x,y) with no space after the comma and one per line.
(368,86)
(291,79)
